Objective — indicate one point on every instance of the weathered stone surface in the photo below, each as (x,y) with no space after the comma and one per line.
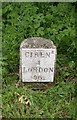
(37,60)
(37,42)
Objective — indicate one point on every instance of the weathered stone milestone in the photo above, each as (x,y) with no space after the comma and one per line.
(37,60)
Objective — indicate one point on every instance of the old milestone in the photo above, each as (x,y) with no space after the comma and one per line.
(37,60)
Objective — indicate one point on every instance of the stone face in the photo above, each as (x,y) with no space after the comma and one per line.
(37,60)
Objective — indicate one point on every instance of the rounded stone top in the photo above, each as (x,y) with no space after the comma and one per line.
(37,42)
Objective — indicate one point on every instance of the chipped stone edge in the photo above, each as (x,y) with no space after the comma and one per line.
(24,41)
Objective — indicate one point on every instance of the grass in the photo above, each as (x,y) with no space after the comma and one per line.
(56,102)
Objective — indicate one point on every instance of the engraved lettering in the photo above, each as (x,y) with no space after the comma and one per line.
(40,69)
(31,54)
(42,54)
(37,69)
(48,54)
(38,62)
(29,69)
(35,77)
(51,69)
(38,54)
(27,54)
(45,69)
(40,77)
